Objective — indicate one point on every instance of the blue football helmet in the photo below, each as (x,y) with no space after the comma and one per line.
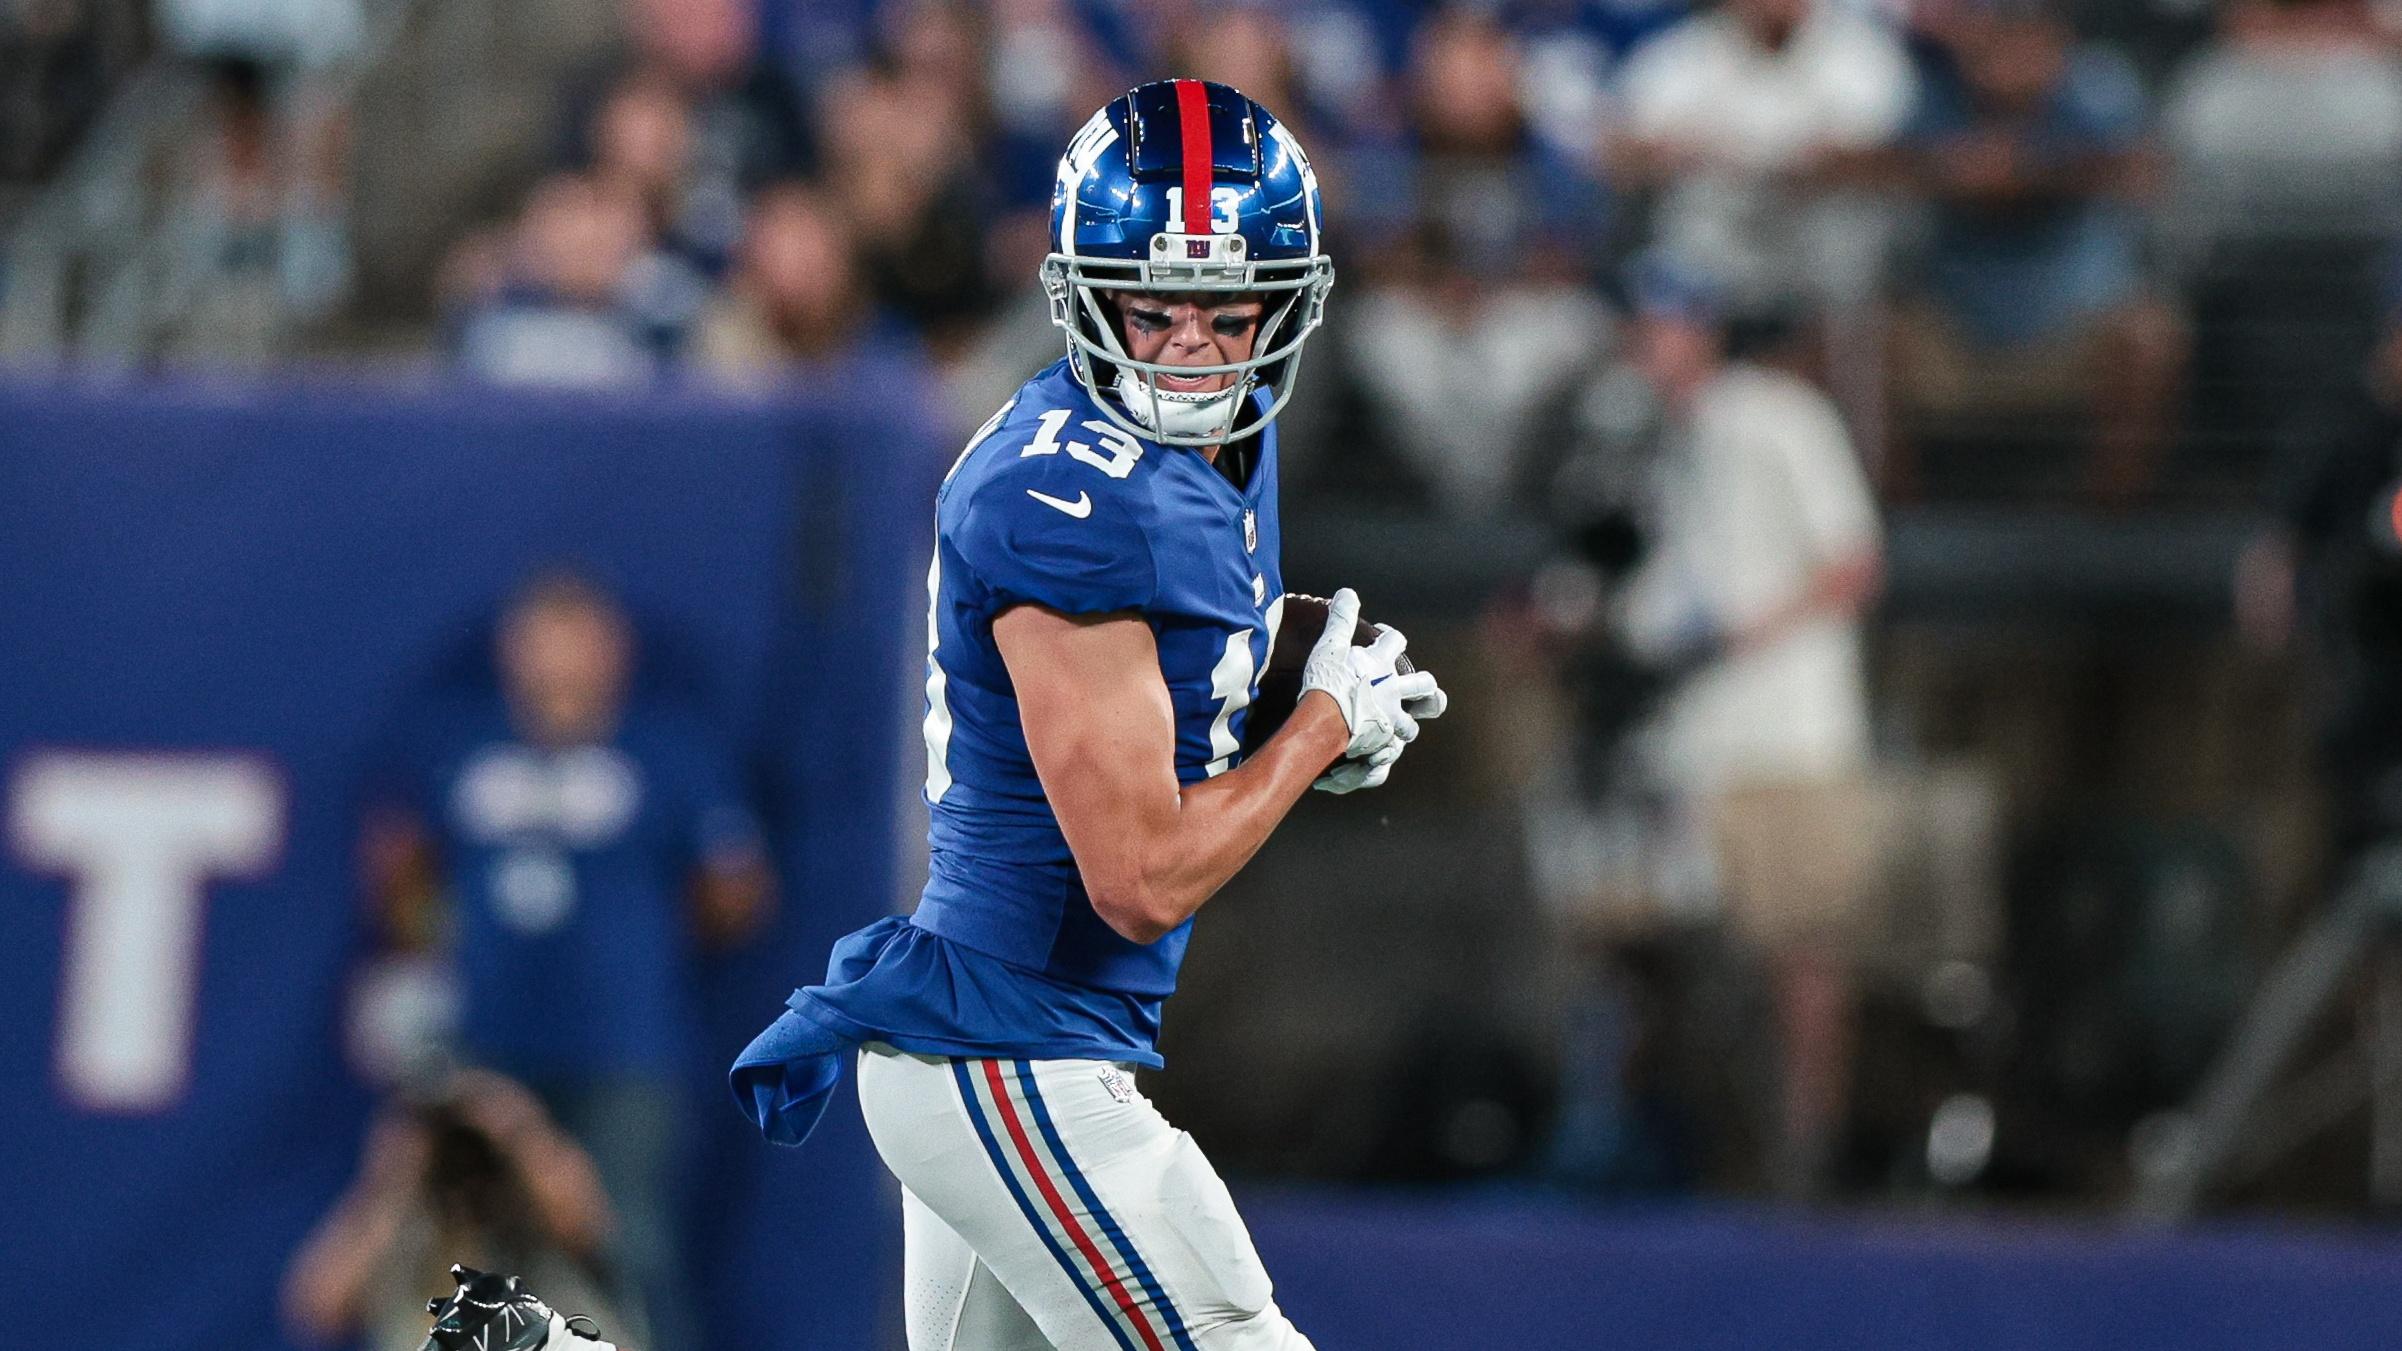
(1182,185)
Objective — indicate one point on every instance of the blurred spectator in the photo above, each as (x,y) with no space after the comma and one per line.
(2328,571)
(1453,369)
(1472,169)
(642,147)
(1762,556)
(751,124)
(900,157)
(692,121)
(254,233)
(2032,152)
(794,300)
(1250,46)
(579,295)
(594,845)
(1047,66)
(1472,316)
(1339,53)
(936,52)
(1246,47)
(2285,135)
(476,1173)
(1569,51)
(1047,71)
(1744,120)
(2290,119)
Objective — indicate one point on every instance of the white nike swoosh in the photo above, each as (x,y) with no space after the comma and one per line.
(1080,508)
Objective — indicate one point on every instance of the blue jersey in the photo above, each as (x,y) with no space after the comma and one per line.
(570,871)
(1051,504)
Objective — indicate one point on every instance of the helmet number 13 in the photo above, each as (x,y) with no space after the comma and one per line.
(1225,208)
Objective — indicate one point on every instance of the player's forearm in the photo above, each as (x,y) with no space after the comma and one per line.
(1218,824)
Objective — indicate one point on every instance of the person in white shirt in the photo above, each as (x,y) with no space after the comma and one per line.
(1764,555)
(1748,119)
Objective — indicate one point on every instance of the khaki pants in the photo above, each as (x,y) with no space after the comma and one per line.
(1798,863)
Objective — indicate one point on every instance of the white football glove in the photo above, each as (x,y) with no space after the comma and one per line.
(1426,706)
(1369,771)
(1381,707)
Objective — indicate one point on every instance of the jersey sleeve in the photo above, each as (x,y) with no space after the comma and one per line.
(1076,543)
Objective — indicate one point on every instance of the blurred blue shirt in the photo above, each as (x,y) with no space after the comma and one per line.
(2028,273)
(570,873)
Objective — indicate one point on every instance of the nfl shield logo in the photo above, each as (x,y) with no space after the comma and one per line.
(1250,532)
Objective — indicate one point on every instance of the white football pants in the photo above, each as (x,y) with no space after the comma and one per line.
(1048,1204)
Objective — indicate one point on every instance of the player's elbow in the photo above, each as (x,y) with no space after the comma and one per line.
(1134,911)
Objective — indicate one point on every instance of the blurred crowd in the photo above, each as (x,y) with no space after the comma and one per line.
(1694,291)
(2072,249)
(2059,247)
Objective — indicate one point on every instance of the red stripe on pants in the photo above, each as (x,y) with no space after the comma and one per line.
(1059,1207)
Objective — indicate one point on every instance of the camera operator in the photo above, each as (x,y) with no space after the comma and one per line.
(466,1167)
(1730,547)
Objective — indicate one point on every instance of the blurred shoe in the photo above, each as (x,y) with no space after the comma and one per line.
(491,1312)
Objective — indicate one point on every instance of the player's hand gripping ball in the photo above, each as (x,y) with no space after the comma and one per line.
(1304,621)
(1323,644)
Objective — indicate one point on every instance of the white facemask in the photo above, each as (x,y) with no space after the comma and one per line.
(1204,413)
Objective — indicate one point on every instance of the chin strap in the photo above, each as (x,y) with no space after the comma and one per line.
(1181,413)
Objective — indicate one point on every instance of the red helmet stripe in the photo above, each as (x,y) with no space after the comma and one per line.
(1192,113)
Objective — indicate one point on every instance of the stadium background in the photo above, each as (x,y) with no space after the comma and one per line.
(324,322)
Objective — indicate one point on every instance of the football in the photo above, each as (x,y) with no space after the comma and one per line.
(1280,684)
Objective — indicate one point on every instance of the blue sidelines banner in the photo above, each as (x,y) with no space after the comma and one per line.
(214,599)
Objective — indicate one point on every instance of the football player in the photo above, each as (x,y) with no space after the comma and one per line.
(1104,592)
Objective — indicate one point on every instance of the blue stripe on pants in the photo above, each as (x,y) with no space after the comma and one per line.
(992,1147)
(1092,1203)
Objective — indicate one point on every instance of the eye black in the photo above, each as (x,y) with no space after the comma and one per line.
(1150,319)
(1233,326)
